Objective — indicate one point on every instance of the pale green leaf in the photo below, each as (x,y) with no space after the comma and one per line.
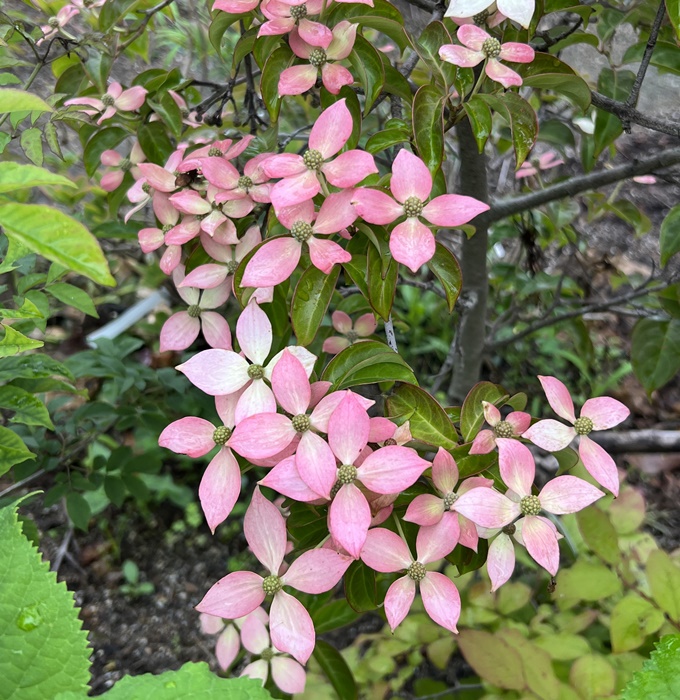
(16,176)
(12,100)
(12,451)
(13,342)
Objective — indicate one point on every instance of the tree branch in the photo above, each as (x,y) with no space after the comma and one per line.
(629,115)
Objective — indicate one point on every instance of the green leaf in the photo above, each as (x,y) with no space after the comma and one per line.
(27,408)
(548,72)
(355,269)
(281,59)
(673,10)
(43,648)
(31,145)
(336,669)
(472,411)
(494,660)
(310,300)
(664,581)
(360,587)
(633,619)
(428,125)
(479,114)
(386,139)
(114,11)
(655,352)
(599,534)
(12,100)
(57,237)
(16,176)
(592,677)
(670,235)
(431,39)
(13,342)
(428,421)
(78,510)
(522,119)
(306,525)
(169,112)
(155,142)
(617,85)
(659,677)
(52,139)
(36,366)
(333,615)
(446,269)
(12,451)
(368,362)
(588,581)
(368,70)
(221,22)
(382,282)
(104,140)
(73,296)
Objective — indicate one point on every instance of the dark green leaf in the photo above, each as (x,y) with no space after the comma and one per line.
(31,145)
(169,112)
(670,235)
(431,39)
(310,300)
(27,408)
(73,296)
(548,72)
(367,68)
(386,139)
(472,412)
(114,11)
(336,670)
(221,22)
(103,140)
(330,616)
(617,85)
(522,119)
(428,125)
(382,282)
(446,269)
(281,59)
(479,115)
(655,352)
(355,269)
(78,510)
(360,587)
(155,143)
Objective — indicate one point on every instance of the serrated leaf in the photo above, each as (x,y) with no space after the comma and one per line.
(655,352)
(37,366)
(310,300)
(428,125)
(336,670)
(57,237)
(73,296)
(12,100)
(13,342)
(659,677)
(27,408)
(670,235)
(12,451)
(446,269)
(17,176)
(31,145)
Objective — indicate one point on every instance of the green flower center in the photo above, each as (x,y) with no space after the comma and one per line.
(256,371)
(416,571)
(583,425)
(347,474)
(312,159)
(491,47)
(301,423)
(413,207)
(449,500)
(530,505)
(503,429)
(272,584)
(167,227)
(267,654)
(298,12)
(194,311)
(53,22)
(317,58)
(221,435)
(244,182)
(232,266)
(351,336)
(146,187)
(108,100)
(125,164)
(480,18)
(301,231)
(215,152)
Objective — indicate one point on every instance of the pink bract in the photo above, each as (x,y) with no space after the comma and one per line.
(513,425)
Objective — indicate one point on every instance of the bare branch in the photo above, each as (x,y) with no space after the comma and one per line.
(629,115)
(646,58)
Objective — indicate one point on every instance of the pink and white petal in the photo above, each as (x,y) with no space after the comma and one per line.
(412,243)
(189,202)
(298,45)
(453,210)
(314,33)
(206,276)
(381,429)
(110,158)
(425,509)
(227,647)
(159,178)
(484,442)
(336,213)
(297,79)
(441,600)
(150,239)
(444,471)
(341,322)
(257,398)
(319,391)
(316,571)
(335,77)
(238,208)
(291,385)
(541,543)
(491,414)
(385,551)
(288,675)
(502,74)
(460,56)
(215,297)
(568,494)
(291,627)
(500,562)
(349,519)
(521,11)
(324,254)
(519,421)
(365,325)
(254,333)
(605,412)
(220,488)
(265,531)
(273,263)
(284,165)
(179,332)
(258,670)
(324,409)
(331,130)
(375,206)
(307,359)
(516,53)
(219,172)
(410,177)
(517,465)
(558,397)
(216,372)
(188,436)
(550,435)
(131,99)
(434,542)
(348,430)
(254,635)
(216,330)
(316,464)
(344,36)
(391,469)
(335,345)
(474,482)
(349,168)
(112,180)
(262,435)
(233,596)
(301,211)
(599,464)
(472,36)
(170,259)
(398,601)
(468,532)
(210,624)
(487,508)
(295,190)
(286,480)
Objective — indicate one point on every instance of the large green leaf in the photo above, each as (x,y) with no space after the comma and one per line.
(104,140)
(632,620)
(155,143)
(492,659)
(446,269)
(37,366)
(382,281)
(221,22)
(663,575)
(27,408)
(12,100)
(332,615)
(670,235)
(479,114)
(360,588)
(310,300)
(655,352)
(522,119)
(428,421)
(269,82)
(547,72)
(13,342)
(472,411)
(431,39)
(12,451)
(368,70)
(73,296)
(673,10)
(367,362)
(659,677)
(57,237)
(43,650)
(336,669)
(428,125)
(16,176)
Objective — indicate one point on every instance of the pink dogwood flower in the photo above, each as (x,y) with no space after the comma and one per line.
(490,509)
(223,372)
(386,552)
(427,509)
(232,185)
(520,11)
(301,173)
(513,426)
(60,20)
(154,181)
(544,162)
(183,327)
(275,261)
(283,17)
(113,178)
(411,242)
(350,332)
(239,593)
(597,414)
(479,46)
(298,79)
(152,238)
(220,486)
(113,100)
(287,673)
(226,149)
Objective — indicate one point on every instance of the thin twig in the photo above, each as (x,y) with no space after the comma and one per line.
(63,549)
(21,483)
(549,40)
(148,14)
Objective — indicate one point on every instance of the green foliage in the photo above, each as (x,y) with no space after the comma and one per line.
(659,677)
